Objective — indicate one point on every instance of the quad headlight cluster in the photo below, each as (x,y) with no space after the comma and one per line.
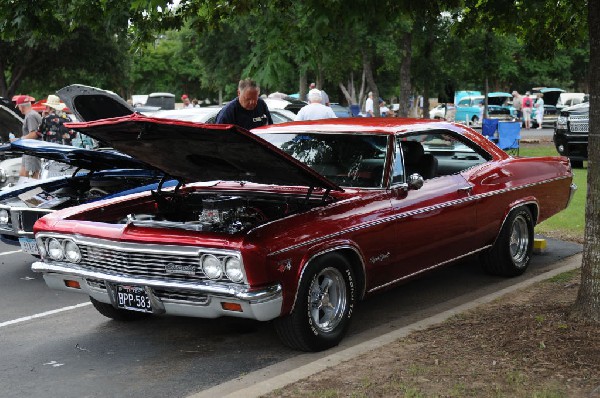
(215,267)
(561,122)
(58,249)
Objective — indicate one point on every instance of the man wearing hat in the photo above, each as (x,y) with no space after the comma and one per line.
(186,101)
(30,165)
(53,124)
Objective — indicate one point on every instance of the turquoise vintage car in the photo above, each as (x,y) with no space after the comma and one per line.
(468,109)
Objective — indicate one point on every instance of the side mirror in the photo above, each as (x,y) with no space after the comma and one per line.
(415,181)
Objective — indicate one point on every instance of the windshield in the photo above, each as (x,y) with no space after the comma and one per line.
(350,160)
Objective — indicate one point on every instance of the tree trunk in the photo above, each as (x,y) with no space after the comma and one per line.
(405,84)
(371,82)
(302,85)
(587,304)
(427,55)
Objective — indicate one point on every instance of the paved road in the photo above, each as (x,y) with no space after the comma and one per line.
(79,353)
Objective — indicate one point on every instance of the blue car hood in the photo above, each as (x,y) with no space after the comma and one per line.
(88,159)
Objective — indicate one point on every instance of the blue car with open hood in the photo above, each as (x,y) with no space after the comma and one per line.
(98,174)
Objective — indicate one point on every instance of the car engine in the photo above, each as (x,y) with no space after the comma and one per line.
(215,213)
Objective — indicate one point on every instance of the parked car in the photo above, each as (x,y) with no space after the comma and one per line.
(95,175)
(288,103)
(567,100)
(468,108)
(295,222)
(443,112)
(571,133)
(209,114)
(551,97)
(340,111)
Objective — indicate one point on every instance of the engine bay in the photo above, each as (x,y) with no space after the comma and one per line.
(222,213)
(76,191)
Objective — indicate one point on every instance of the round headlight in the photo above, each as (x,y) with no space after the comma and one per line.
(233,269)
(72,253)
(55,249)
(212,267)
(41,247)
(4,216)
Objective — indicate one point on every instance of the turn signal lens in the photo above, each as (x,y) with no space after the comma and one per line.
(72,284)
(232,307)
(55,249)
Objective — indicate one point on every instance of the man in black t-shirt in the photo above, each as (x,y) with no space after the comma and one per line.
(247,110)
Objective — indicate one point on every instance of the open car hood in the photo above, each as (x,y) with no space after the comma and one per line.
(10,121)
(78,157)
(90,103)
(192,152)
(498,98)
(551,95)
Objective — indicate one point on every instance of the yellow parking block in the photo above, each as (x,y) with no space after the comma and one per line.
(539,245)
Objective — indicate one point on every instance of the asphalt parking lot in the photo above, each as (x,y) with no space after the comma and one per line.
(54,342)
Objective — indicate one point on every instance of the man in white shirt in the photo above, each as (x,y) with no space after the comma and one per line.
(315,110)
(369,105)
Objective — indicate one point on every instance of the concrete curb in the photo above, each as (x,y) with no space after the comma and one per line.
(268,379)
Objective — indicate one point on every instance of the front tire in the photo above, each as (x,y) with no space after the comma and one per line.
(117,314)
(511,253)
(324,306)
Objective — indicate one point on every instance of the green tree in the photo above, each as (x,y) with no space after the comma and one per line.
(544,27)
(40,41)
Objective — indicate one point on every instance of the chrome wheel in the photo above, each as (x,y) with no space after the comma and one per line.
(327,299)
(519,240)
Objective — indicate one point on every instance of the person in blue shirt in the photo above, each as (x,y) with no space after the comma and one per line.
(247,110)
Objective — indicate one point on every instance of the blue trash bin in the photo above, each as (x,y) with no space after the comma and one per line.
(355,109)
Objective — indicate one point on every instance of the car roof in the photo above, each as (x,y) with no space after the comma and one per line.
(385,126)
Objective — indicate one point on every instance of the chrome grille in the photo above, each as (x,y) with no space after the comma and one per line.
(140,264)
(28,218)
(579,123)
(191,297)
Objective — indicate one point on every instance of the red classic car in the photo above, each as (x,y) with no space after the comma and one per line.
(296,222)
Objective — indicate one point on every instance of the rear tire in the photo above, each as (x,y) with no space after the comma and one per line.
(324,306)
(117,314)
(511,253)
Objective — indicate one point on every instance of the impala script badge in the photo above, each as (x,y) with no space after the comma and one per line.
(180,269)
(381,257)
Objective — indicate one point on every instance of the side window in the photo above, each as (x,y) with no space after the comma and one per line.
(398,170)
(464,102)
(437,153)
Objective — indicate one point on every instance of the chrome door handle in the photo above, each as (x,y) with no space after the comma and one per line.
(466,190)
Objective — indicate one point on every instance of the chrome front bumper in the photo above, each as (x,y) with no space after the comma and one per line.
(263,305)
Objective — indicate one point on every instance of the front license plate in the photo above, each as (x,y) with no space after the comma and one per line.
(29,246)
(133,298)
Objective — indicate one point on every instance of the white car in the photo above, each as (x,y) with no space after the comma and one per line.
(439,112)
(209,114)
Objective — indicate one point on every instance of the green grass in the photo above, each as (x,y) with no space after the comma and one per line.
(569,223)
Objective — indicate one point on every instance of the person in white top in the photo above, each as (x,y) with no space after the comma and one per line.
(315,110)
(369,105)
(539,110)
